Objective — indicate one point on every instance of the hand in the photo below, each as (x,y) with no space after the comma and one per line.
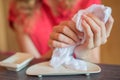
(64,35)
(96,32)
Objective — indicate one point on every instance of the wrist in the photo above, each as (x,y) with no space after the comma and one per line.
(92,55)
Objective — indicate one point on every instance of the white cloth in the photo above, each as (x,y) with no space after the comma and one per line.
(64,56)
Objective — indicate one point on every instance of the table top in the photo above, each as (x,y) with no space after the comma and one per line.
(109,72)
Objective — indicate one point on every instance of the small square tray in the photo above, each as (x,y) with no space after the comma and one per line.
(17,61)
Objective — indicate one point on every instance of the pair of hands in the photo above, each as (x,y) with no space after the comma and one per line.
(65,34)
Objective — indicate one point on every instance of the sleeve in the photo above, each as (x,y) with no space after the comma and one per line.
(87,3)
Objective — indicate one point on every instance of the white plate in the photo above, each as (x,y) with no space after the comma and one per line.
(17,61)
(44,69)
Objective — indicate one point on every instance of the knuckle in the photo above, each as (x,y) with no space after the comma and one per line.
(105,41)
(90,47)
(112,20)
(64,28)
(90,36)
(97,44)
(55,43)
(54,28)
(97,30)
(50,43)
(52,35)
(56,36)
(60,36)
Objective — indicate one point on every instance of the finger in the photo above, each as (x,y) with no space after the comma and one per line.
(109,25)
(67,31)
(61,38)
(56,44)
(101,24)
(74,29)
(72,26)
(95,29)
(89,35)
(70,33)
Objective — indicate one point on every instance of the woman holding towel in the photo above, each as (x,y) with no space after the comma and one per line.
(42,25)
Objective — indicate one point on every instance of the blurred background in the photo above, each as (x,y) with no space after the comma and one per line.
(110,52)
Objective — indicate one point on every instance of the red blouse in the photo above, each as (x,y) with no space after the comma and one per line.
(44,22)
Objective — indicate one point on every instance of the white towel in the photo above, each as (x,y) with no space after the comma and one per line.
(64,56)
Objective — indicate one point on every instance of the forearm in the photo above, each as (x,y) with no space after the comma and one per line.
(24,41)
(27,46)
(92,55)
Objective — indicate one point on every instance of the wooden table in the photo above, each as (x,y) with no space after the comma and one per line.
(109,72)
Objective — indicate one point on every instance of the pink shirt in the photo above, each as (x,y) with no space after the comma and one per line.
(45,22)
